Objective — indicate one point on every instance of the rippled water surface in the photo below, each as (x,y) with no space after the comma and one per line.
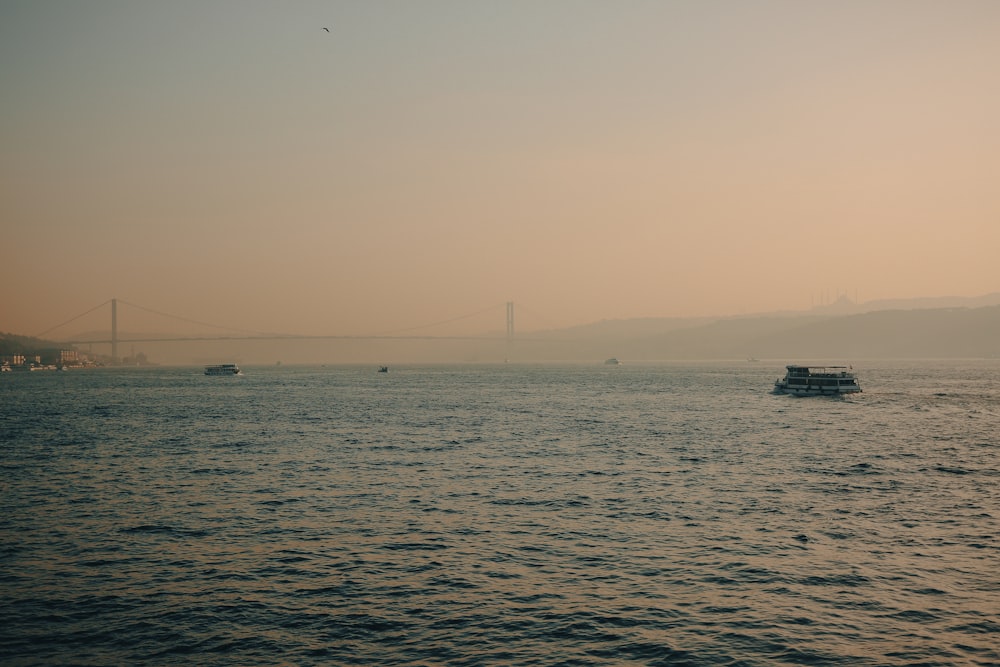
(499,515)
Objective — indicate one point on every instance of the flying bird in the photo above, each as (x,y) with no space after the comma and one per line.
(327,29)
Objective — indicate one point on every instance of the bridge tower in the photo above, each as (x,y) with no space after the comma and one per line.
(510,330)
(114,331)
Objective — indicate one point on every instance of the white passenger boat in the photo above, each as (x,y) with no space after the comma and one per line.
(223,369)
(817,381)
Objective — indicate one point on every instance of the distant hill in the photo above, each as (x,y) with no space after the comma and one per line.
(922,333)
(651,326)
(917,333)
(844,306)
(939,332)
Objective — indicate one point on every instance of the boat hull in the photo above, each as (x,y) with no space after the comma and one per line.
(780,388)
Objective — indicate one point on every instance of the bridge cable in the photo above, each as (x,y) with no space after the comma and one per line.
(190,321)
(73,319)
(524,309)
(435,324)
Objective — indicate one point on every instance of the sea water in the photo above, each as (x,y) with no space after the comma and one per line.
(660,514)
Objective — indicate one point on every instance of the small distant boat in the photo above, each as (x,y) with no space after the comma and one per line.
(817,381)
(612,362)
(223,369)
(383,369)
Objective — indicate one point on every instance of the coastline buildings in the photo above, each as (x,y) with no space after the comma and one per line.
(46,360)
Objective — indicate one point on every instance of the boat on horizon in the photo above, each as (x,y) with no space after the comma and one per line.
(223,369)
(817,381)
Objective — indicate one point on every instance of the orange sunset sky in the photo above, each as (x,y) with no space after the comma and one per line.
(235,162)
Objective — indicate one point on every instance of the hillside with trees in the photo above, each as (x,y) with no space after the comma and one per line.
(27,345)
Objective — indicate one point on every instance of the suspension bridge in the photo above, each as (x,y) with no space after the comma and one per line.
(114,339)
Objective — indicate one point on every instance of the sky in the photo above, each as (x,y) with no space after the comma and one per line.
(384,166)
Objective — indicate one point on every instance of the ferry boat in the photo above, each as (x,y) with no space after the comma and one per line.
(223,369)
(817,381)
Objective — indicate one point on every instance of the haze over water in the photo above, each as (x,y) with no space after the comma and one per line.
(666,514)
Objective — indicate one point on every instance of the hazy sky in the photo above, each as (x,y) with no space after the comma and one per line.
(233,162)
